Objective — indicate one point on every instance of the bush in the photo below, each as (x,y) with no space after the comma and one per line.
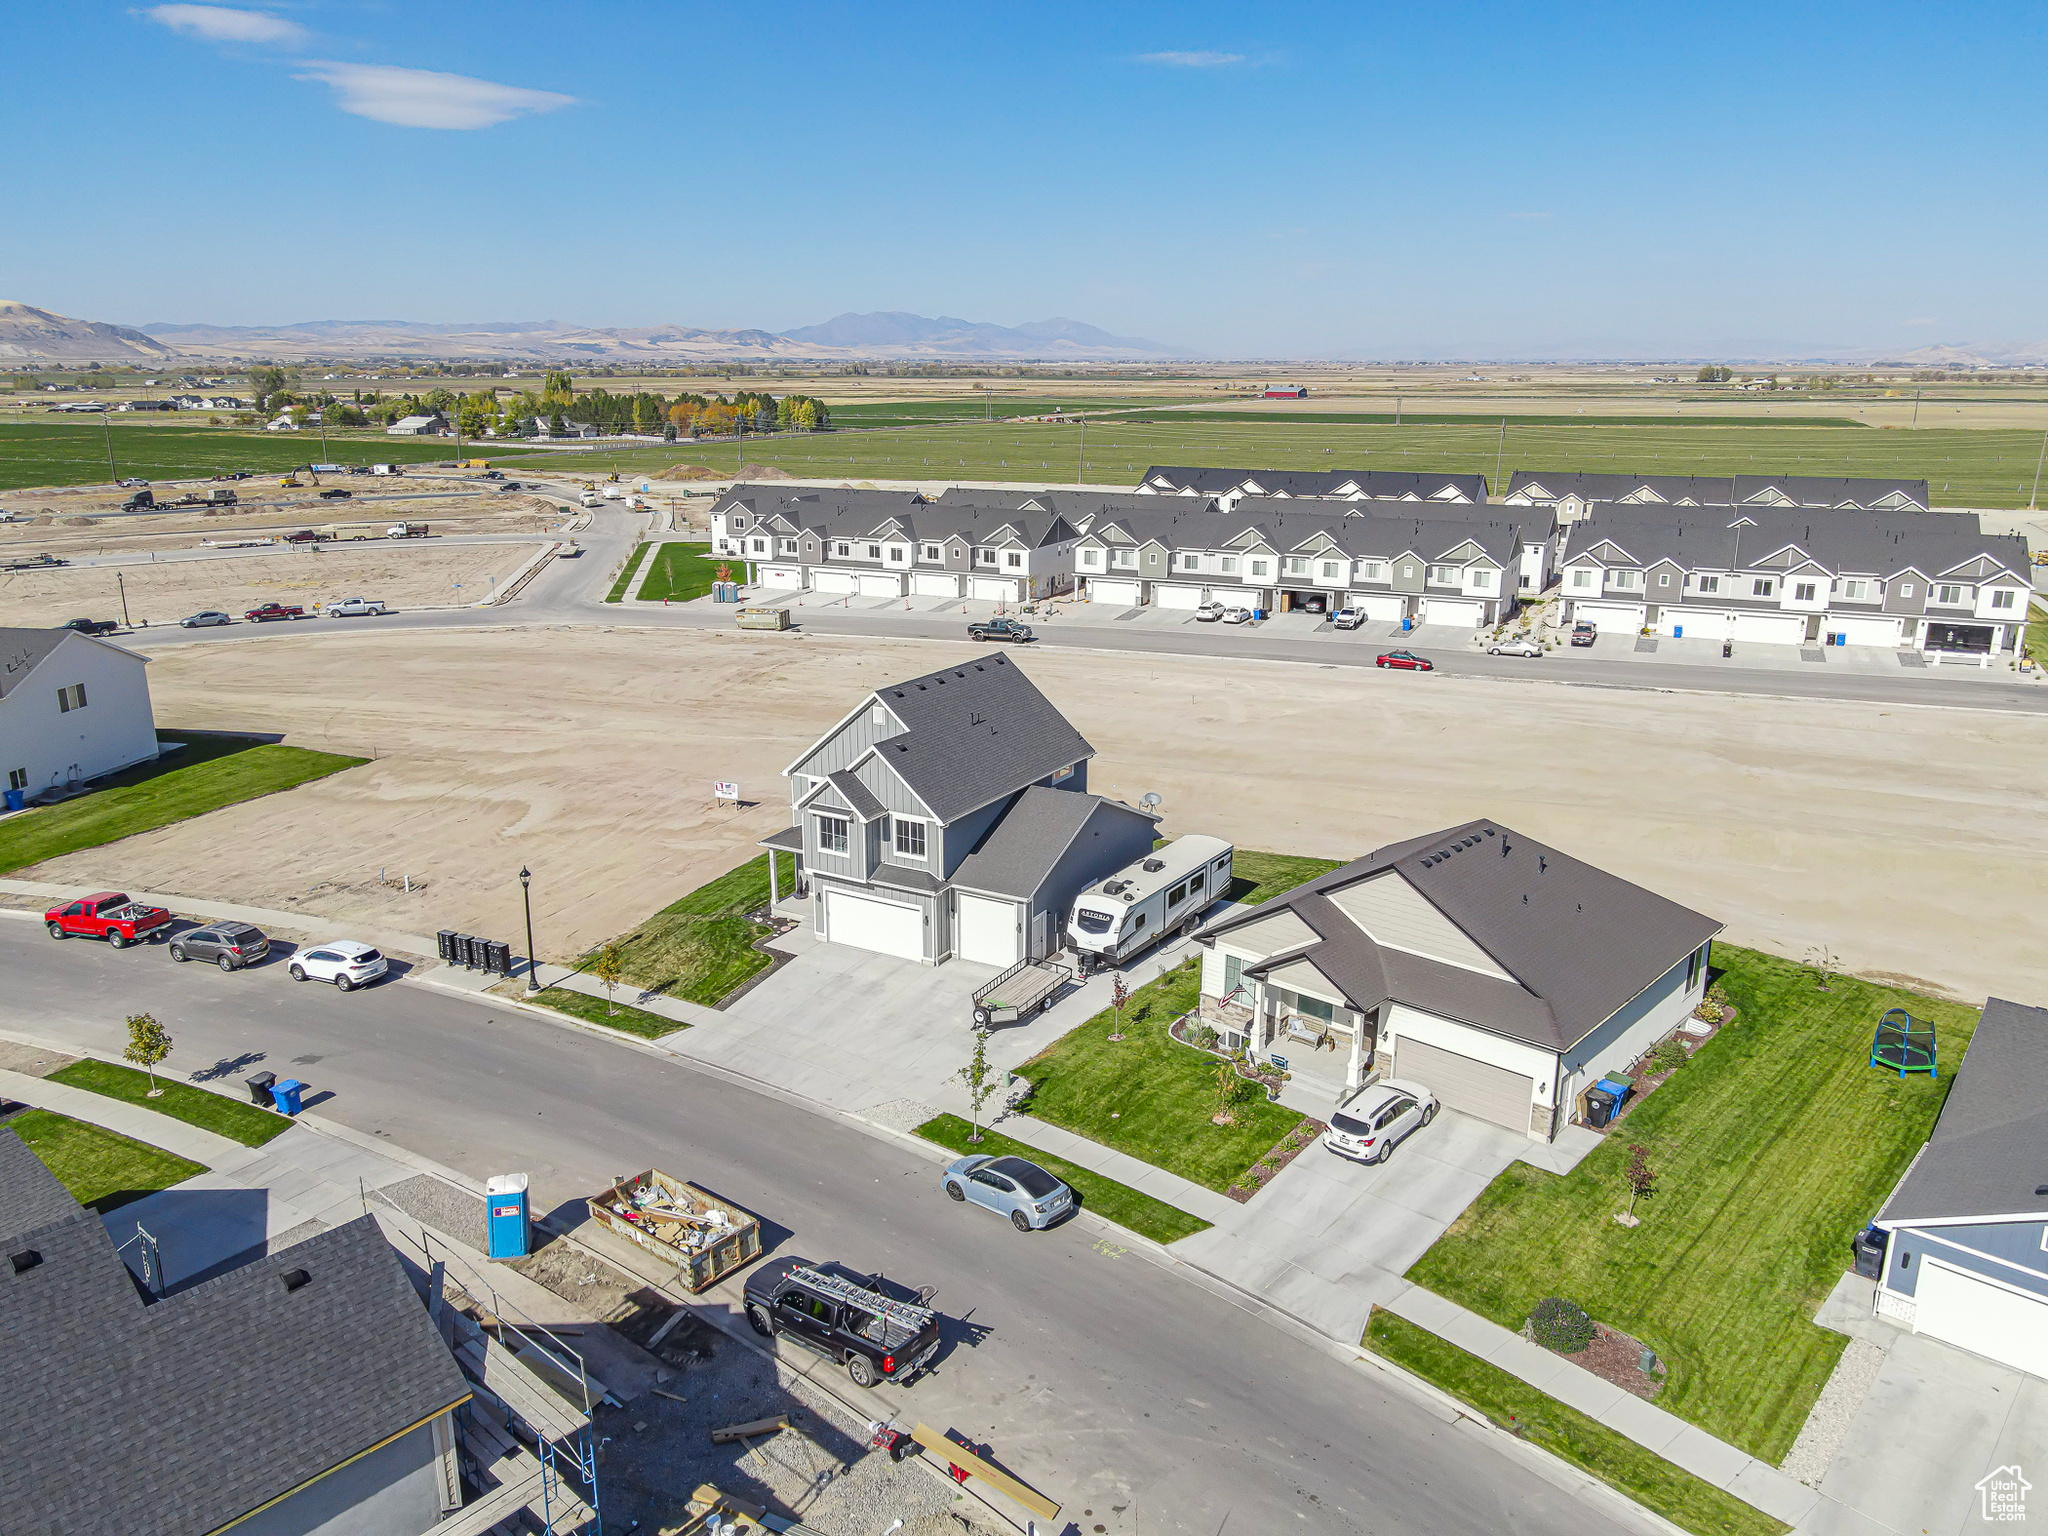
(1669,1056)
(1560,1325)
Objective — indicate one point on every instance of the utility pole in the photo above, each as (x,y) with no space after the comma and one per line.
(124,600)
(2034,499)
(1916,408)
(1081,473)
(1397,410)
(107,422)
(1500,453)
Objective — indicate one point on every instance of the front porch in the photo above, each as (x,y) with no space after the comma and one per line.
(1328,1052)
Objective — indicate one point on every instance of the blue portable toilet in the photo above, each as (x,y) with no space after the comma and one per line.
(505,1199)
(285,1095)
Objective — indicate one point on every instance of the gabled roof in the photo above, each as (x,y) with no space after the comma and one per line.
(1858,543)
(1034,834)
(1166,479)
(1988,1155)
(1721,490)
(854,514)
(23,650)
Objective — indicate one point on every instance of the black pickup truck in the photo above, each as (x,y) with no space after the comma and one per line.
(93,626)
(998,629)
(852,1319)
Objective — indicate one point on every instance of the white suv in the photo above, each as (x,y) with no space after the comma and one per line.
(1366,1128)
(347,964)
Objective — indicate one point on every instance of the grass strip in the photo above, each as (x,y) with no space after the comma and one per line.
(158,794)
(701,947)
(618,591)
(624,1017)
(232,1118)
(1511,1403)
(1119,1203)
(680,572)
(102,1168)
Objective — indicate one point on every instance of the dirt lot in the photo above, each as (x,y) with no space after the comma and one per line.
(74,526)
(1909,841)
(418,574)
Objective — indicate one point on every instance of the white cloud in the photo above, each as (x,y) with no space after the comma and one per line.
(1191,59)
(425,98)
(220,24)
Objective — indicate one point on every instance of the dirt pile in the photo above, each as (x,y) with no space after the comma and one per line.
(689,472)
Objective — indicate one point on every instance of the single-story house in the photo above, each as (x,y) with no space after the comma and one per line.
(418,426)
(72,707)
(1966,1250)
(948,816)
(1506,977)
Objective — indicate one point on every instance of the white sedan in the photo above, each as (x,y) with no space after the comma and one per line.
(1366,1127)
(1520,646)
(347,964)
(1237,615)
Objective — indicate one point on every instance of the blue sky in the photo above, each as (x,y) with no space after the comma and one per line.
(1248,181)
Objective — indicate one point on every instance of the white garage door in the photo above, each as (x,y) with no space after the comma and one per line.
(993,589)
(1104,591)
(1692,623)
(781,576)
(834,581)
(1378,605)
(880,586)
(1987,1319)
(1476,1087)
(866,923)
(1860,631)
(1622,618)
(934,584)
(1243,597)
(1178,597)
(988,930)
(1450,610)
(1770,628)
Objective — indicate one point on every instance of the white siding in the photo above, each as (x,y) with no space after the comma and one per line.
(1637,1025)
(54,746)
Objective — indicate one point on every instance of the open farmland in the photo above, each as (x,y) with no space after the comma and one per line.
(74,451)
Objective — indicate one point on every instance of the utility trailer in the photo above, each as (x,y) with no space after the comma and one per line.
(1025,988)
(703,1236)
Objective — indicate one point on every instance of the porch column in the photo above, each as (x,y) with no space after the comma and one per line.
(773,885)
(1354,1070)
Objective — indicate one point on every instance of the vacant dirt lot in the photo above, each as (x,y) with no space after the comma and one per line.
(72,527)
(417,574)
(1908,841)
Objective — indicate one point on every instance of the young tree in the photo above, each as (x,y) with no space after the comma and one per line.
(1640,1175)
(1119,994)
(981,1082)
(1229,1093)
(608,966)
(1822,962)
(147,1045)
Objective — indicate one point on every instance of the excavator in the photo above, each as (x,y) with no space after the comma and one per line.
(291,480)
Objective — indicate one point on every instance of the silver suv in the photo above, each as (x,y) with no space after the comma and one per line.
(228,945)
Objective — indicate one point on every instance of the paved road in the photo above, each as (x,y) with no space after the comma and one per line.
(1128,1390)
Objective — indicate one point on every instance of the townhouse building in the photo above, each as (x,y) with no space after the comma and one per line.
(1932,582)
(1229,486)
(1573,495)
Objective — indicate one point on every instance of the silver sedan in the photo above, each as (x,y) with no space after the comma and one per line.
(201,620)
(1009,1186)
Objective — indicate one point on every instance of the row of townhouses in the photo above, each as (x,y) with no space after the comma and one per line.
(1227,487)
(1575,495)
(1931,581)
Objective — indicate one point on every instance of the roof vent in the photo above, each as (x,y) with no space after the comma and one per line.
(294,1279)
(25,1260)
(1153,866)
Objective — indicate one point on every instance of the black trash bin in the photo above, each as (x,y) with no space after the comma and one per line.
(259,1088)
(444,944)
(1600,1107)
(1869,1248)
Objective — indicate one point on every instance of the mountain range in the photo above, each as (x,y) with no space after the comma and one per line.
(37,335)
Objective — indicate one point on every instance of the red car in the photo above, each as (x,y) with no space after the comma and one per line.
(273,611)
(1407,661)
(110,916)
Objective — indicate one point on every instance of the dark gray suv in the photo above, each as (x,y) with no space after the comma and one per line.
(228,945)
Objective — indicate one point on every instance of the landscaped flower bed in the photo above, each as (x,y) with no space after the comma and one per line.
(1285,1151)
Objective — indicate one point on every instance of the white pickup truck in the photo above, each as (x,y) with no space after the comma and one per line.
(354,607)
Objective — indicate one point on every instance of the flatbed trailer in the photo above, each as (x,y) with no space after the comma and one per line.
(1022,990)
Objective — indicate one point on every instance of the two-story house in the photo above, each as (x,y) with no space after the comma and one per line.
(949,816)
(1229,486)
(1574,495)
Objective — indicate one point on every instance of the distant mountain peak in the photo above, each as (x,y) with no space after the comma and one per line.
(29,333)
(899,333)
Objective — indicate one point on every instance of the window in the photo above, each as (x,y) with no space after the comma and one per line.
(1371,570)
(789,546)
(1233,974)
(1692,970)
(874,551)
(1906,589)
(1126,558)
(1948,595)
(984,557)
(1626,581)
(1709,584)
(1190,562)
(1013,558)
(831,834)
(1481,580)
(1407,572)
(2002,598)
(842,550)
(1140,923)
(910,838)
(1258,567)
(1802,592)
(1856,591)
(760,546)
(930,552)
(17,778)
(1663,578)
(739,522)
(1091,557)
(1444,575)
(897,553)
(1177,895)
(1581,579)
(1330,570)
(70,698)
(1229,564)
(1296,566)
(1762,586)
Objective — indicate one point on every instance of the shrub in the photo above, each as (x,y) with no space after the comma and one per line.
(1560,1325)
(1669,1056)
(1205,1038)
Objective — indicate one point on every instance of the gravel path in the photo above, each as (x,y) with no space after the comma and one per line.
(1827,1428)
(441,1206)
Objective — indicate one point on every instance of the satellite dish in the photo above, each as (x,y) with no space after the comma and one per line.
(1149,800)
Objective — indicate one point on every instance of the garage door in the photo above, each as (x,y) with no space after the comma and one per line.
(866,923)
(834,581)
(880,586)
(1692,623)
(1177,597)
(934,584)
(1987,1319)
(988,930)
(1379,605)
(993,589)
(1864,631)
(1622,618)
(1243,597)
(1124,592)
(1770,628)
(1476,1087)
(781,576)
(1446,610)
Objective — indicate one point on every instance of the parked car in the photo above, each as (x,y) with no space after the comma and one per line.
(93,626)
(1348,618)
(1209,613)
(1406,661)
(111,916)
(1368,1126)
(304,536)
(337,494)
(44,562)
(1009,1186)
(228,945)
(354,607)
(347,964)
(1237,616)
(1519,646)
(271,611)
(202,620)
(999,629)
(125,484)
(860,1321)
(1584,633)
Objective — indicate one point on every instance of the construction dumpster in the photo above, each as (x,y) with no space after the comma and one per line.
(704,1237)
(764,618)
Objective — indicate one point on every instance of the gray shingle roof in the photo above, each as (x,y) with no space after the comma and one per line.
(23,650)
(1020,851)
(1395,483)
(859,798)
(1721,490)
(852,514)
(974,733)
(175,1418)
(1854,543)
(1988,1155)
(1382,529)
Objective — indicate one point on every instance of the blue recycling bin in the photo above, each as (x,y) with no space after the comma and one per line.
(1406,625)
(1678,631)
(285,1095)
(505,1201)
(16,799)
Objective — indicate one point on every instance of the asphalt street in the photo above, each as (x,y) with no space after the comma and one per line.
(1122,1387)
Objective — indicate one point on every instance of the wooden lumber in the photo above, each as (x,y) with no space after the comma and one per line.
(669,1395)
(958,1455)
(752,1429)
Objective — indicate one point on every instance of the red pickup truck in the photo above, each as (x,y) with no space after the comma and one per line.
(110,916)
(273,611)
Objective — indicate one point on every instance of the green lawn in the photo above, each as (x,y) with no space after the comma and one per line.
(1771,1148)
(1119,1203)
(1257,877)
(625,580)
(682,571)
(74,452)
(212,772)
(101,1168)
(1686,1501)
(634,1021)
(1149,1095)
(236,1119)
(701,947)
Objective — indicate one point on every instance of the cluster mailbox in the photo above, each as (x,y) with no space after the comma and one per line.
(473,953)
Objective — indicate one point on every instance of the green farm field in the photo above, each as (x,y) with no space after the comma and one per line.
(75,452)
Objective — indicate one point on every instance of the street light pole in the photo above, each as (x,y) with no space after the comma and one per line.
(532,960)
